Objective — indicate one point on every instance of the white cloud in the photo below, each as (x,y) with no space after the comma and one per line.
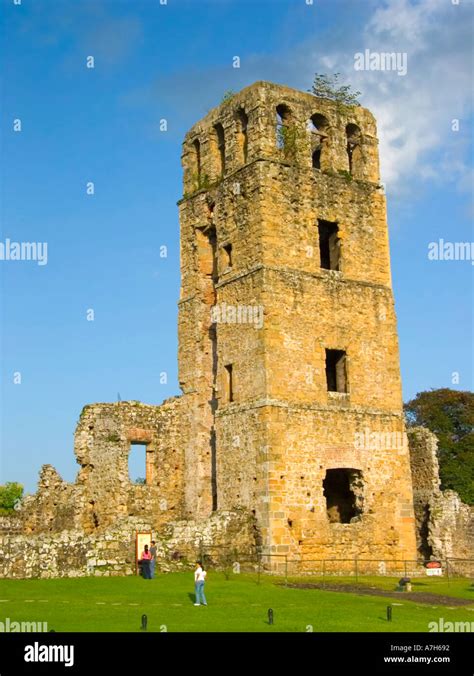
(414,112)
(402,20)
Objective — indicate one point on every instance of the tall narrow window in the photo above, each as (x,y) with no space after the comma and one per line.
(229,383)
(206,244)
(220,141)
(211,207)
(336,372)
(283,127)
(279,130)
(197,160)
(137,464)
(329,245)
(316,158)
(242,139)
(212,238)
(318,128)
(227,255)
(353,135)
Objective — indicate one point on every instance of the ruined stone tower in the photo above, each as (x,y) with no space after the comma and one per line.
(288,437)
(288,350)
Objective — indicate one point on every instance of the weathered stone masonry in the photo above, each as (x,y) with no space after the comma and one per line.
(282,219)
(283,431)
(445,525)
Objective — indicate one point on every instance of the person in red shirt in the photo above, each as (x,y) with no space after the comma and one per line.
(145,561)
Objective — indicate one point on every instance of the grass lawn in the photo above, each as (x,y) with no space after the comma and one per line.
(237,604)
(459,587)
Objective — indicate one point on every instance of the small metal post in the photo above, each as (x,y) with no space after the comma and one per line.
(144,622)
(389,613)
(270,616)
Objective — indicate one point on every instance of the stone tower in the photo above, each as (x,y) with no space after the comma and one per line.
(289,434)
(288,349)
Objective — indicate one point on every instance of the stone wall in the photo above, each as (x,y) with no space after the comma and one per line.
(10,524)
(56,506)
(261,449)
(103,491)
(283,428)
(451,531)
(445,525)
(73,553)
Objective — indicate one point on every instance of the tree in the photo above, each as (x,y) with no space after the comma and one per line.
(228,94)
(10,494)
(450,415)
(327,87)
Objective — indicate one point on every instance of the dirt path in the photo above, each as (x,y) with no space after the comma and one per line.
(420,597)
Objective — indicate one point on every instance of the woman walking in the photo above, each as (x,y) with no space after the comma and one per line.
(199,581)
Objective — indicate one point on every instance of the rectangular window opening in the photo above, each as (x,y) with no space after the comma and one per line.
(228,255)
(211,253)
(137,463)
(206,245)
(329,245)
(343,490)
(336,371)
(229,383)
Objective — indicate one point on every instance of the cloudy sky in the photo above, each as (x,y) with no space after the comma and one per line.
(175,61)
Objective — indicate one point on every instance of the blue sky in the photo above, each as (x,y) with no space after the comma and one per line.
(175,61)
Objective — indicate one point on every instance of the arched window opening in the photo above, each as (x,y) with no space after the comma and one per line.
(318,128)
(283,126)
(197,159)
(354,137)
(220,142)
(242,123)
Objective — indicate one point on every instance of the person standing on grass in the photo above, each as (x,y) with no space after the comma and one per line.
(199,581)
(153,559)
(145,561)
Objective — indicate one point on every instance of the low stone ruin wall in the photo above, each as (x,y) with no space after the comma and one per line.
(444,524)
(73,553)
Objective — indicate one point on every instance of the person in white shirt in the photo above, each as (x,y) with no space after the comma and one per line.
(199,581)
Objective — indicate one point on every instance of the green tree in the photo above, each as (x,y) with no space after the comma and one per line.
(10,493)
(328,87)
(228,95)
(450,415)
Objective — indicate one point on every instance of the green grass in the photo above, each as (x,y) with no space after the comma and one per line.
(459,587)
(237,604)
